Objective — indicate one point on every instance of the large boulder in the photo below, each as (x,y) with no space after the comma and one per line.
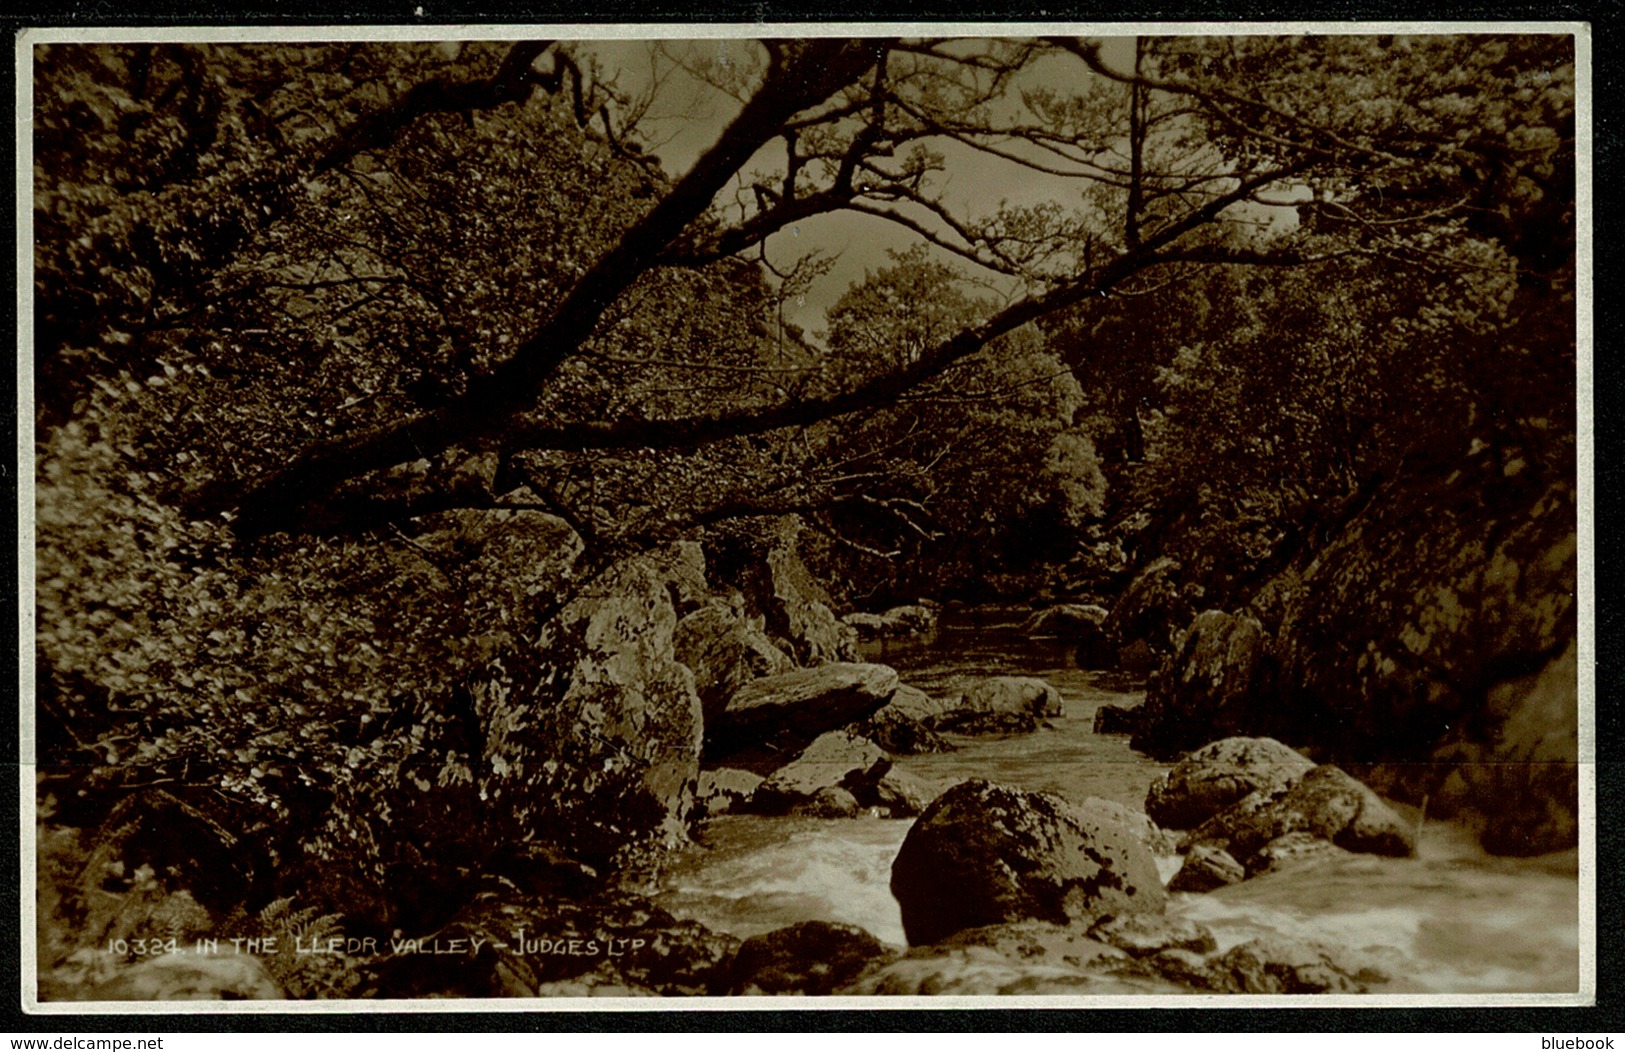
(813,957)
(1278,965)
(777,586)
(1425,627)
(1300,850)
(1209,688)
(867,626)
(1138,823)
(903,726)
(1207,867)
(1218,775)
(1081,625)
(829,801)
(591,739)
(1116,719)
(725,650)
(833,759)
(1153,607)
(1521,790)
(900,735)
(1030,958)
(682,565)
(724,790)
(777,716)
(914,619)
(1327,803)
(985,854)
(1001,704)
(897,793)
(1144,934)
(912,703)
(1067,621)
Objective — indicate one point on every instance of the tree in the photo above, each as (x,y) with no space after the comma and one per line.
(976,470)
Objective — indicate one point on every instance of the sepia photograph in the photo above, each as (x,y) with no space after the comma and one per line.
(891,516)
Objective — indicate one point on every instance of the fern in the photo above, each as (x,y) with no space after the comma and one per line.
(301,976)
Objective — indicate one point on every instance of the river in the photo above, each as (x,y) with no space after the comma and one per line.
(1450,920)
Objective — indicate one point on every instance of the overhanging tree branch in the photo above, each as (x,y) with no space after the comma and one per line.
(886,389)
(512,82)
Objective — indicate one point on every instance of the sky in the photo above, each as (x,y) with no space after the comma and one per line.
(688,114)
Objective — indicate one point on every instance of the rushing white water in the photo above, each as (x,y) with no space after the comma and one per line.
(1452,919)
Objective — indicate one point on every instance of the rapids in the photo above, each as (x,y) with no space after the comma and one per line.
(1450,920)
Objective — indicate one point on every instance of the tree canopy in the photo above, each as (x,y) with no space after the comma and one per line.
(456,236)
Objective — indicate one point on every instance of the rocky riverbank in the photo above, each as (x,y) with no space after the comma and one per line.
(683,686)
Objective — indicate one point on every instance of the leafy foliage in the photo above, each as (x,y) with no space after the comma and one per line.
(978,470)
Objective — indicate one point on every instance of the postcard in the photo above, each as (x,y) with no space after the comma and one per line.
(526,517)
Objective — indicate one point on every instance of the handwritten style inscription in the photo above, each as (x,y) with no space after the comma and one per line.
(521,942)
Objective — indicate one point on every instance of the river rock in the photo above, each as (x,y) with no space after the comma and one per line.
(985,854)
(898,794)
(1138,658)
(867,626)
(191,977)
(1279,965)
(777,586)
(830,761)
(1152,608)
(915,704)
(1209,688)
(900,735)
(1293,851)
(591,738)
(1520,791)
(1216,829)
(1187,968)
(1325,803)
(1029,957)
(1218,775)
(1065,620)
(1115,719)
(1002,704)
(725,790)
(725,650)
(1138,823)
(1207,867)
(1145,934)
(813,957)
(903,725)
(783,713)
(914,619)
(828,801)
(1417,631)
